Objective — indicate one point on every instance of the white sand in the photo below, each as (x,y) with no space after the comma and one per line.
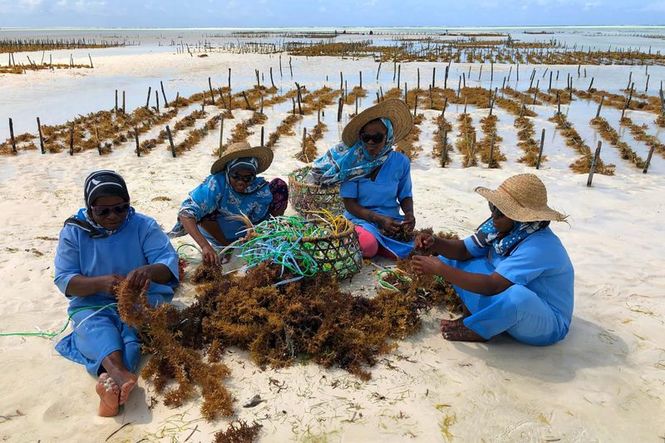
(604,382)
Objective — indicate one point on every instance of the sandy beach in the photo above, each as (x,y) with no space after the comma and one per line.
(604,382)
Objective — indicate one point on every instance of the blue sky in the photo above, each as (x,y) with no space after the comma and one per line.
(302,13)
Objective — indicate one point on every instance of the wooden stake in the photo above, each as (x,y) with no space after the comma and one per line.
(212,94)
(272,82)
(340,104)
(341,81)
(399,74)
(262,135)
(378,70)
(244,95)
(540,151)
(115,108)
(99,142)
(147,100)
(433,78)
(444,154)
(445,105)
(418,83)
(549,88)
(490,164)
(445,78)
(123,102)
(41,136)
(600,106)
(258,81)
(299,95)
(590,85)
(71,140)
(136,137)
(356,105)
(280,66)
(221,134)
(229,81)
(11,135)
(648,162)
(361,79)
(594,162)
(168,133)
(302,147)
(166,102)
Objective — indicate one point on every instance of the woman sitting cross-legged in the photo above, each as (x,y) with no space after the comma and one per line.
(375,180)
(103,244)
(513,275)
(212,214)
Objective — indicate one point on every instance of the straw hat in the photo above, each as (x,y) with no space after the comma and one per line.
(522,198)
(243,149)
(393,109)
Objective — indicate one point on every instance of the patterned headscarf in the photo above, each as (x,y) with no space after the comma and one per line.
(343,163)
(250,163)
(487,235)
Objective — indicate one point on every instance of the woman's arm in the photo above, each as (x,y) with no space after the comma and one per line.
(450,248)
(409,218)
(82,286)
(491,284)
(191,227)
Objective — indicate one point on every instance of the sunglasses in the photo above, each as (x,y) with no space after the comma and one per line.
(376,138)
(496,212)
(105,211)
(244,178)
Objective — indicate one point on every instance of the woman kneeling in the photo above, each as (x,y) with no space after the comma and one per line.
(513,274)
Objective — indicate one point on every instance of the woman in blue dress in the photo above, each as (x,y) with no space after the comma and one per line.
(103,244)
(513,274)
(213,212)
(375,180)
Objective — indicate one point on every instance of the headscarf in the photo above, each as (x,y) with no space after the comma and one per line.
(487,235)
(250,163)
(343,163)
(104,183)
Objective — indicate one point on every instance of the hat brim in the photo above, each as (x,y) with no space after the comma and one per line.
(514,211)
(263,154)
(393,109)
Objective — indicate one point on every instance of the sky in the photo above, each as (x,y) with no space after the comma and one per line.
(326,13)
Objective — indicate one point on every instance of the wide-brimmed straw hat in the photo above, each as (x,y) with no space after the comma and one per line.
(522,198)
(393,109)
(243,149)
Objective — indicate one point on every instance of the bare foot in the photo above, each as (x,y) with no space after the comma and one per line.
(451,325)
(126,388)
(462,334)
(109,396)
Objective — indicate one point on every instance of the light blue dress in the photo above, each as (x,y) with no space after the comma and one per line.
(383,196)
(138,242)
(538,307)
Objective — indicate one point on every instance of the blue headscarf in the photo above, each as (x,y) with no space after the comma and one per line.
(343,163)
(487,235)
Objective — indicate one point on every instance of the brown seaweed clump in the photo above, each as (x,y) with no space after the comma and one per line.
(311,319)
(239,432)
(163,331)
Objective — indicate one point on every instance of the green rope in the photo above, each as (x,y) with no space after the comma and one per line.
(51,335)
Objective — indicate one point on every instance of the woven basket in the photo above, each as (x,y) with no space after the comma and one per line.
(307,198)
(338,253)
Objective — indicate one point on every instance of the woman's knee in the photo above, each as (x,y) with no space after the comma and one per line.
(368,243)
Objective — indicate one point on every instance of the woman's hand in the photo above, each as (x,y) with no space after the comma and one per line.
(140,277)
(409,222)
(388,225)
(210,256)
(427,265)
(109,282)
(424,241)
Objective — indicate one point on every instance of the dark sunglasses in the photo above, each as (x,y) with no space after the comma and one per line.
(105,211)
(245,178)
(496,212)
(376,138)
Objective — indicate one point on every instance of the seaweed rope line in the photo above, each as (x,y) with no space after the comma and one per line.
(51,335)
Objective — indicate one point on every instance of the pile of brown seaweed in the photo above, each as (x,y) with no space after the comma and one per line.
(311,319)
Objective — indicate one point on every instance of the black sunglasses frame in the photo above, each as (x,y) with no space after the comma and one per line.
(376,138)
(105,211)
(245,178)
